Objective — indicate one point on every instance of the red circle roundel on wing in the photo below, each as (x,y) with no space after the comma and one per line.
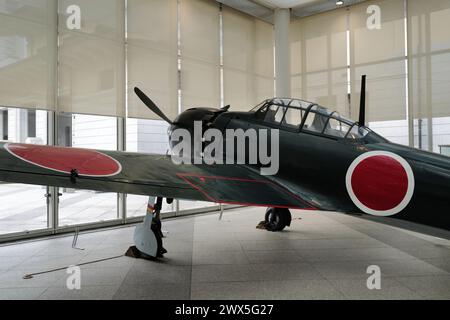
(86,162)
(380,182)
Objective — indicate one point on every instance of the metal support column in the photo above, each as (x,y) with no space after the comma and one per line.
(52,123)
(121,146)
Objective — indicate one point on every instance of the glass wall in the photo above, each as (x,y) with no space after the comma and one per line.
(91,72)
(146,136)
(319,59)
(152,51)
(248,60)
(199,53)
(91,132)
(384,64)
(27,80)
(17,215)
(28,54)
(429,67)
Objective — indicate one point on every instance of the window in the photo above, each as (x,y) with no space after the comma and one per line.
(357,132)
(261,112)
(91,132)
(445,150)
(337,128)
(4,124)
(292,118)
(315,121)
(274,114)
(259,107)
(146,136)
(248,68)
(31,123)
(23,207)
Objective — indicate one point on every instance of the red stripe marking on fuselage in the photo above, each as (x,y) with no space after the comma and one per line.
(185,176)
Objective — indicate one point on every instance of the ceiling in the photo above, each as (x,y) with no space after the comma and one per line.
(285,3)
(263,9)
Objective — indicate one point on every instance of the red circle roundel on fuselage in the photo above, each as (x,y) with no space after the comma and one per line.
(87,162)
(380,182)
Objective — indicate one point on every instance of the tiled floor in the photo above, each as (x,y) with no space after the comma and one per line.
(322,256)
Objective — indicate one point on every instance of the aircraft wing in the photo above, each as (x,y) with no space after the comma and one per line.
(142,174)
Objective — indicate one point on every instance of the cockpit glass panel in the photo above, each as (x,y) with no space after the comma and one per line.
(337,128)
(260,114)
(357,132)
(316,120)
(280,114)
(344,119)
(322,110)
(286,102)
(259,106)
(289,113)
(292,118)
(299,104)
(274,114)
(280,102)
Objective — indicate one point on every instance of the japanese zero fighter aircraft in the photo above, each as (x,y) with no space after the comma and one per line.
(326,163)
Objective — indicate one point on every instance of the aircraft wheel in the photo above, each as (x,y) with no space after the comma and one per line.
(277,219)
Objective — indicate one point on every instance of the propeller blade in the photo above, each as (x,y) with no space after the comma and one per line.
(151,105)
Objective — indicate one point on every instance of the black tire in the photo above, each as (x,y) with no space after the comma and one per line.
(277,219)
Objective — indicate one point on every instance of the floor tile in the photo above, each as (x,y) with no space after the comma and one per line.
(85,293)
(390,290)
(429,287)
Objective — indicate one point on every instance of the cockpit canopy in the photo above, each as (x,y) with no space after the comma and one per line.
(308,117)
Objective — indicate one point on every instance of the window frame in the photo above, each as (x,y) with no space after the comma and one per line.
(305,112)
(274,123)
(290,128)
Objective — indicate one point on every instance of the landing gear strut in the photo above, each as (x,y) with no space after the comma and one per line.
(277,219)
(148,235)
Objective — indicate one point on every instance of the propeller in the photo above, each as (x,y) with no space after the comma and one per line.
(151,105)
(362,104)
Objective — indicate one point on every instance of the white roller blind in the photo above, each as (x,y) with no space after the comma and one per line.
(319,59)
(324,38)
(429,48)
(200,53)
(296,58)
(380,54)
(28,53)
(92,60)
(248,60)
(152,56)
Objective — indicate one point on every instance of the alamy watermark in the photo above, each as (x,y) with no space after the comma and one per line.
(374,20)
(374,280)
(73,21)
(73,281)
(234,146)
